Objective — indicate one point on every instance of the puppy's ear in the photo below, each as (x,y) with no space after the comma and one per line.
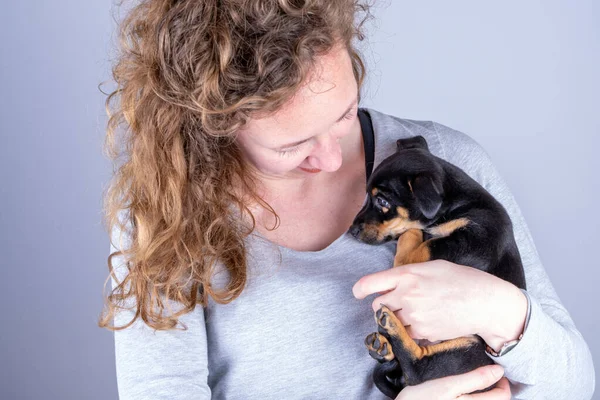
(415,142)
(428,194)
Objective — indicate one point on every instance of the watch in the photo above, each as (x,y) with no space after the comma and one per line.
(508,346)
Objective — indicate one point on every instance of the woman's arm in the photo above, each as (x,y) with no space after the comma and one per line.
(161,365)
(552,360)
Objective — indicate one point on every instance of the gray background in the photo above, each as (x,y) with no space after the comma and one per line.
(519,77)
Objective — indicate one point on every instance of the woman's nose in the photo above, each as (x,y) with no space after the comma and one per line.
(327,155)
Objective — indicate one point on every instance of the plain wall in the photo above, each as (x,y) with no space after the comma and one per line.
(519,77)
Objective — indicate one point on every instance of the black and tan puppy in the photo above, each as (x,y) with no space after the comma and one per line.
(436,211)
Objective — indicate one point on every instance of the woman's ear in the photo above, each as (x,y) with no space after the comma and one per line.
(428,193)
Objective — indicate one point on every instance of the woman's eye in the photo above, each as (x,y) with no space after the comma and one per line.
(289,152)
(382,203)
(348,116)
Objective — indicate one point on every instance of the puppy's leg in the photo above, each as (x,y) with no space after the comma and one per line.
(387,375)
(421,253)
(445,239)
(388,378)
(408,242)
(413,358)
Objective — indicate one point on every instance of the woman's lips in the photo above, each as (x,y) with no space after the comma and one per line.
(310,170)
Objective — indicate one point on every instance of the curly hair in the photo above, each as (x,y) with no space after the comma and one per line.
(189,74)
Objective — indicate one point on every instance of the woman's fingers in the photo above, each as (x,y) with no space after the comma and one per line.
(388,299)
(453,387)
(500,392)
(479,379)
(382,281)
(396,279)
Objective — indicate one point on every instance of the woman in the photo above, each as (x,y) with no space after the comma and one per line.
(246,160)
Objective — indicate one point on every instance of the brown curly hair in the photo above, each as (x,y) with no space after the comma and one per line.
(189,74)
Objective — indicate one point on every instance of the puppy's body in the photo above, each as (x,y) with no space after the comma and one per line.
(438,212)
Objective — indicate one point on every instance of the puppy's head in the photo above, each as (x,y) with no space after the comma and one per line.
(404,192)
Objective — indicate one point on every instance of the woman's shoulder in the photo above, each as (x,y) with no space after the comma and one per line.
(443,141)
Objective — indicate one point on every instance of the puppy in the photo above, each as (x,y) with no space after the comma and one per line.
(436,211)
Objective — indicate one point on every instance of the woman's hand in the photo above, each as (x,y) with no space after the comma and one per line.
(441,300)
(457,386)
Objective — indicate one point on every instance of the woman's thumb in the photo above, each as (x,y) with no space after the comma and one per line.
(479,378)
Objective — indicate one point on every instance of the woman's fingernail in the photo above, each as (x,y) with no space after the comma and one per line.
(497,371)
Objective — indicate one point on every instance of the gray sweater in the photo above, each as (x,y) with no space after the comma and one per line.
(297,332)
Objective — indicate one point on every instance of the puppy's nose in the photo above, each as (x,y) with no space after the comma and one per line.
(354,230)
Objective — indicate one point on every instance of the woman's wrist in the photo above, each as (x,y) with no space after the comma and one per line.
(506,317)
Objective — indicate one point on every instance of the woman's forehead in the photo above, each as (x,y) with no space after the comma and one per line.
(316,106)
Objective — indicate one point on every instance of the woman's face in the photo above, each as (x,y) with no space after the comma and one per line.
(312,132)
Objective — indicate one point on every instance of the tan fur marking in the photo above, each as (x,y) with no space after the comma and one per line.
(420,254)
(449,345)
(374,191)
(410,250)
(395,328)
(385,209)
(407,243)
(447,228)
(402,212)
(396,226)
(370,230)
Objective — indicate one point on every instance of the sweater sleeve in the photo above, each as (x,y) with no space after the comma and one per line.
(159,365)
(552,360)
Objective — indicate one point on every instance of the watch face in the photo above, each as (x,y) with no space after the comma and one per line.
(506,347)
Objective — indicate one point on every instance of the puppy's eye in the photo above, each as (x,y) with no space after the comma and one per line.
(382,203)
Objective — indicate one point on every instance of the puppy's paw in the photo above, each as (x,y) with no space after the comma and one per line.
(379,347)
(387,320)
